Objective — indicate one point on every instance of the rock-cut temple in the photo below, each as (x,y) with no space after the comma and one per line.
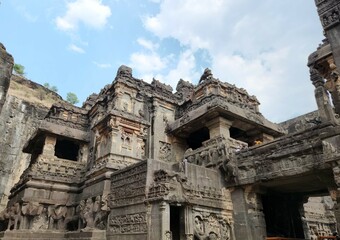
(142,161)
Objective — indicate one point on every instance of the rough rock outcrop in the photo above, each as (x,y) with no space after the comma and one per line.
(6,66)
(24,104)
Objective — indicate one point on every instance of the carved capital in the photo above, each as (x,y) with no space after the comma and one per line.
(316,77)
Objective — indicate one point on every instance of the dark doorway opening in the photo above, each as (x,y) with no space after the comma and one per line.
(282,215)
(196,139)
(66,149)
(241,135)
(175,222)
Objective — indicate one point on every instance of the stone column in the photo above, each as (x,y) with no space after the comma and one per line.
(188,222)
(322,100)
(219,126)
(49,146)
(6,66)
(249,220)
(165,219)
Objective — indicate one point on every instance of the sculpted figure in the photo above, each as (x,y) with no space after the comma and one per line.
(168,235)
(221,148)
(101,211)
(40,222)
(225,230)
(14,217)
(57,215)
(87,213)
(205,158)
(206,75)
(198,228)
(198,159)
(214,157)
(81,209)
(212,236)
(229,170)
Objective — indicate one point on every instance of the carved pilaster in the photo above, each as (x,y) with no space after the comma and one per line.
(322,100)
(165,221)
(189,226)
(219,126)
(49,146)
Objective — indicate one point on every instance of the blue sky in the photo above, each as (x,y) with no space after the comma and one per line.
(78,45)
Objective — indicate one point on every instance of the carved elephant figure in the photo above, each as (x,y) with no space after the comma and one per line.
(87,213)
(56,215)
(101,211)
(14,216)
(29,210)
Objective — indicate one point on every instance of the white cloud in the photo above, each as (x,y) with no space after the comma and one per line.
(185,69)
(26,14)
(102,65)
(146,63)
(91,13)
(262,47)
(147,44)
(75,48)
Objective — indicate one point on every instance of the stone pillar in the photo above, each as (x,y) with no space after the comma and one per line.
(6,67)
(326,112)
(49,146)
(165,219)
(83,153)
(179,146)
(188,222)
(219,126)
(249,220)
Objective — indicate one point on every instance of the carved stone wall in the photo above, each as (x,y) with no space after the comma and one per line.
(318,217)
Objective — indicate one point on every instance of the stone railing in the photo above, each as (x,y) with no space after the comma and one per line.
(214,151)
(112,161)
(57,169)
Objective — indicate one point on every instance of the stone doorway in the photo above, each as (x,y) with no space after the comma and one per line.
(176,222)
(283,215)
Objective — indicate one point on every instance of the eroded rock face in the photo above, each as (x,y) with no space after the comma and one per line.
(18,120)
(6,66)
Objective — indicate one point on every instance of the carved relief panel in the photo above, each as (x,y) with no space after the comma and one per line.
(211,226)
(164,151)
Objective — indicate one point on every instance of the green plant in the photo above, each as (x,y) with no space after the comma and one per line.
(72,98)
(19,69)
(52,88)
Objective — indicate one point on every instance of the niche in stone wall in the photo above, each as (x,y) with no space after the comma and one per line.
(240,135)
(196,139)
(66,149)
(126,103)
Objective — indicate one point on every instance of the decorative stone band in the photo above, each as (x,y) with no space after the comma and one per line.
(128,186)
(57,169)
(112,161)
(249,104)
(129,223)
(329,12)
(214,151)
